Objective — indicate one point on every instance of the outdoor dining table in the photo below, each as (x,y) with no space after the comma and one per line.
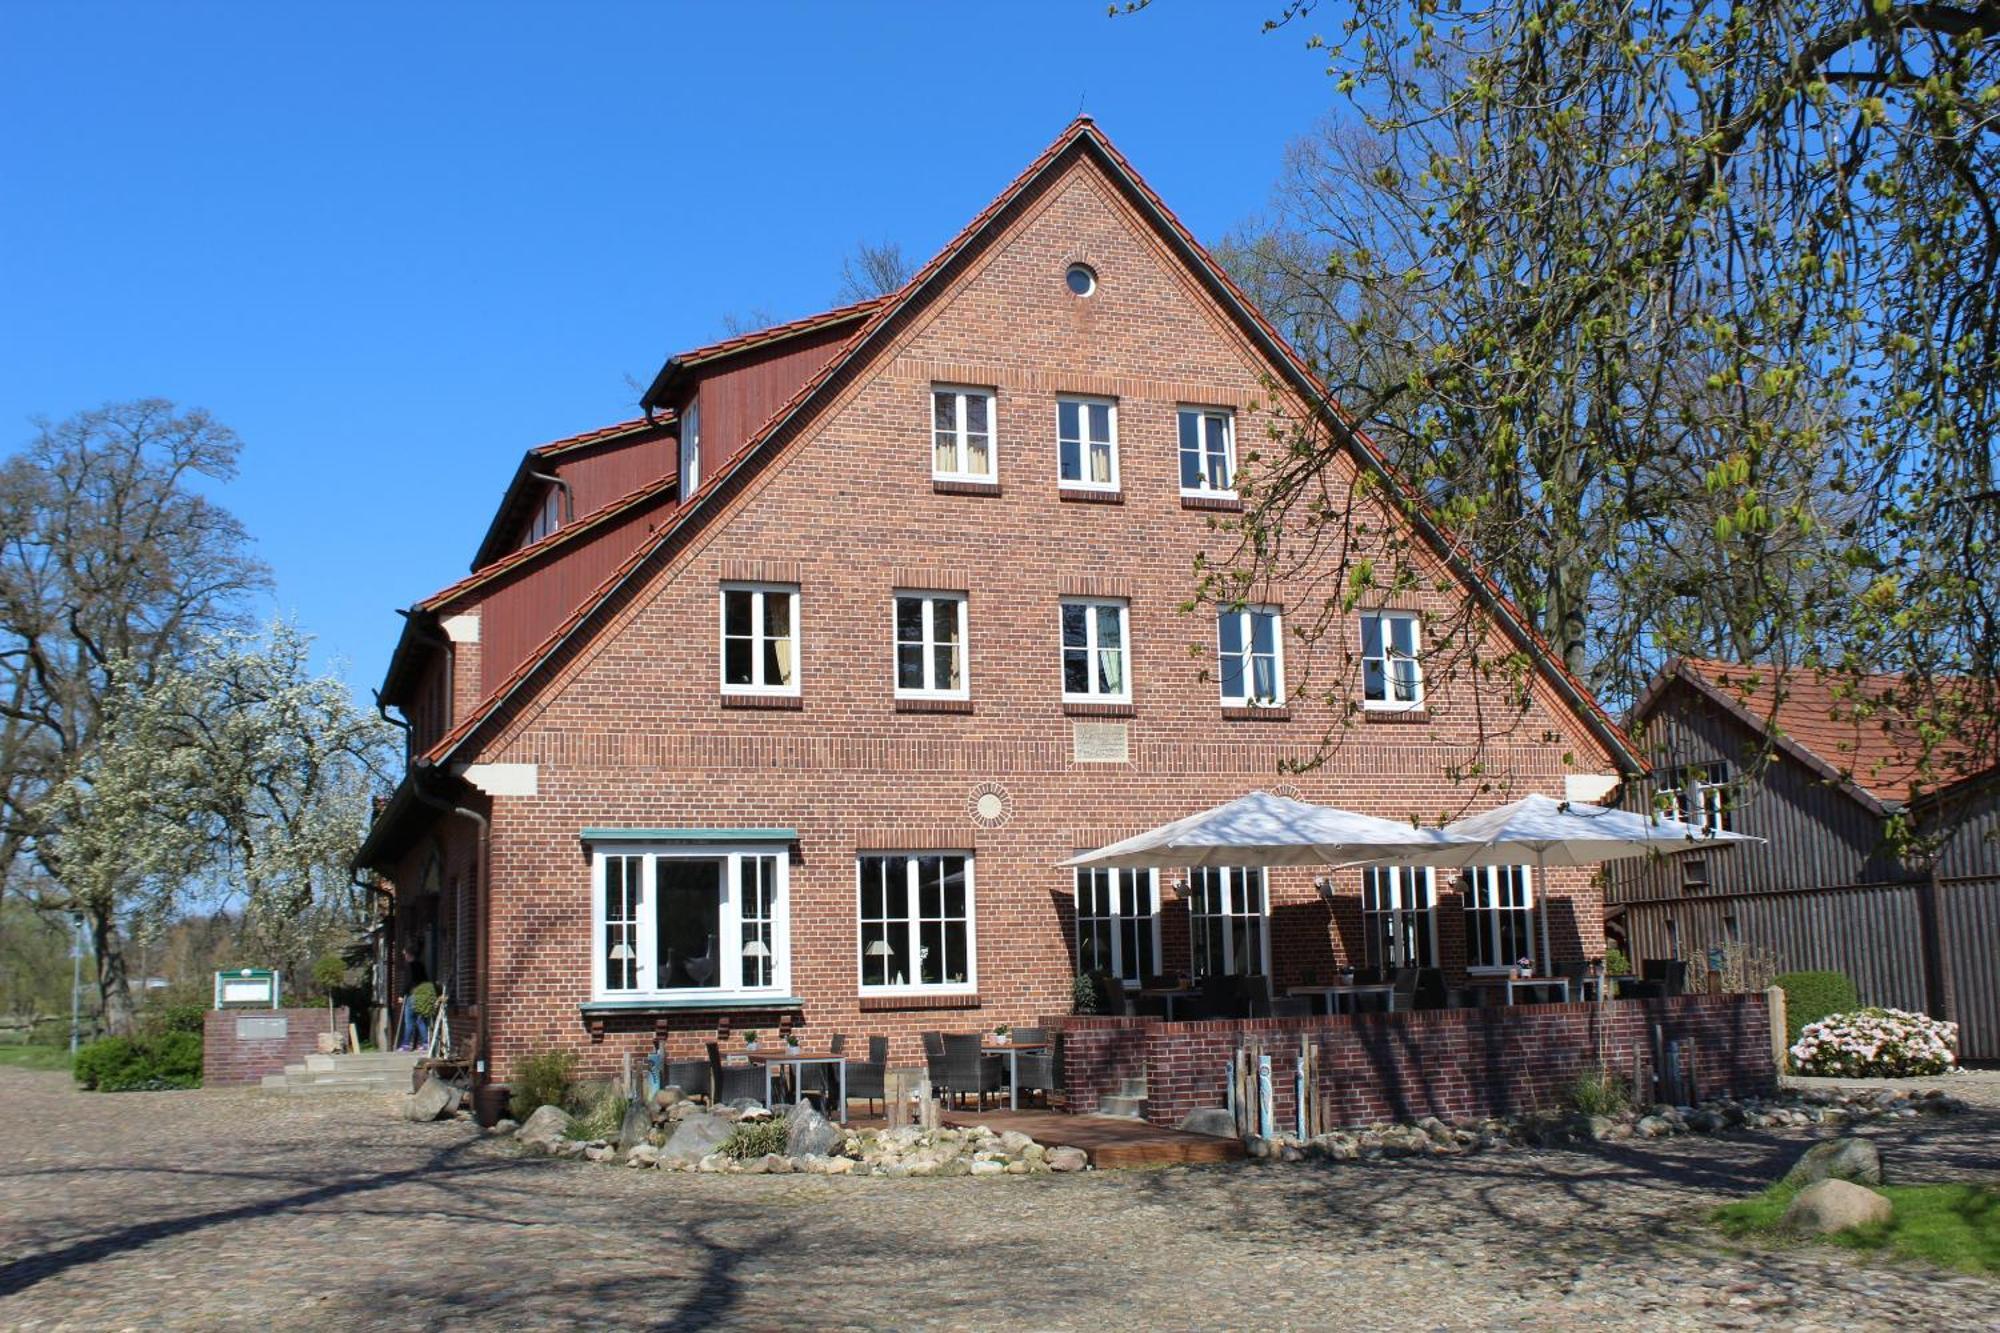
(798,1060)
(1168,997)
(1012,1050)
(1560,984)
(1333,995)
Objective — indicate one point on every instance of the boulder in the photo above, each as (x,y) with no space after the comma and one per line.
(1015,1142)
(1212,1120)
(600,1152)
(988,1168)
(434,1099)
(808,1133)
(1836,1205)
(1838,1159)
(632,1132)
(545,1129)
(503,1126)
(748,1108)
(697,1136)
(1068,1159)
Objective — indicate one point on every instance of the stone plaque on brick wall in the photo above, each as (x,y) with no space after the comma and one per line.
(1100,743)
(263,1028)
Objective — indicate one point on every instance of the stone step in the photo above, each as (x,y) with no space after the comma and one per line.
(328,1086)
(1132,1087)
(1125,1108)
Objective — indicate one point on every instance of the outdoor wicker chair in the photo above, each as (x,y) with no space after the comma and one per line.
(1404,997)
(966,1068)
(869,1079)
(728,1082)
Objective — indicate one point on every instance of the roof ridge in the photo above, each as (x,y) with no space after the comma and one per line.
(738,342)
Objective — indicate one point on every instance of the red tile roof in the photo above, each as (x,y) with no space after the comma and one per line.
(601,434)
(884,309)
(743,342)
(1853,728)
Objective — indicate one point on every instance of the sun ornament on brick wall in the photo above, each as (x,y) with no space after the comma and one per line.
(1289,791)
(989,805)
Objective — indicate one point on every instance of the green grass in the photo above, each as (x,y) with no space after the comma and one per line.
(16,1056)
(1952,1226)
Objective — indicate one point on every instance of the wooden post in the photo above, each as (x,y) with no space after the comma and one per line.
(1774,1001)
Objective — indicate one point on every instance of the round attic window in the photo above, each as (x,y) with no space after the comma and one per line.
(1082,279)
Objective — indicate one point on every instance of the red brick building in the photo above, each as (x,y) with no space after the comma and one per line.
(784,699)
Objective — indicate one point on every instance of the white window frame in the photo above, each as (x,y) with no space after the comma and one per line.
(690,460)
(729,921)
(913,917)
(1092,646)
(758,637)
(1390,655)
(547,518)
(1403,884)
(1489,917)
(961,449)
(1149,894)
(931,601)
(1230,875)
(1688,793)
(1203,417)
(1246,626)
(1083,403)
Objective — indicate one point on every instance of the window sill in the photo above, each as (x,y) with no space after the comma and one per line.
(1083,708)
(1256,713)
(1226,504)
(695,1004)
(781,702)
(875,1004)
(1411,716)
(1086,496)
(959,486)
(933,705)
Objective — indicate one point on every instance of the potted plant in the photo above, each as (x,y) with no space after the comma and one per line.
(1524,967)
(1000,1033)
(750,1040)
(792,1042)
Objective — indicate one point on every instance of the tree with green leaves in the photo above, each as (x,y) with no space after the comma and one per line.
(1656,296)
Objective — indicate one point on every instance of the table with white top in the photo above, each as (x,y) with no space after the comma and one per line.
(1334,995)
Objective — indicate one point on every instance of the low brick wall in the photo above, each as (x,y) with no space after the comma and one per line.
(1451,1063)
(243,1045)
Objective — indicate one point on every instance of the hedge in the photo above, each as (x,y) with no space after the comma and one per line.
(131,1064)
(1811,996)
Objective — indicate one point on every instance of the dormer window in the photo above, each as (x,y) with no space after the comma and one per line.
(691,449)
(548,516)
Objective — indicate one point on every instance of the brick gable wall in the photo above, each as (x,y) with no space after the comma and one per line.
(631,732)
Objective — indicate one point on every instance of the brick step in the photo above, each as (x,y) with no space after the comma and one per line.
(1124,1108)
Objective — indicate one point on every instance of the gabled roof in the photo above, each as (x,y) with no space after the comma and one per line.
(516,503)
(1080,137)
(1816,718)
(756,340)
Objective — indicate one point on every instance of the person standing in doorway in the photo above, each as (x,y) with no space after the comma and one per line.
(415,1025)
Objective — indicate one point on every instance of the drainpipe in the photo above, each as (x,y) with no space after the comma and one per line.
(479,887)
(409,731)
(569,496)
(430,635)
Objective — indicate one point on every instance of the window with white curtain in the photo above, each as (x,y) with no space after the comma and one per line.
(930,645)
(1391,675)
(1208,452)
(1250,656)
(962,434)
(1094,651)
(760,641)
(1087,442)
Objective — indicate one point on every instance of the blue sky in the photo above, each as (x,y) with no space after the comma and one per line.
(394,246)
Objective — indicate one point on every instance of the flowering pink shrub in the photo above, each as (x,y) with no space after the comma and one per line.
(1875,1043)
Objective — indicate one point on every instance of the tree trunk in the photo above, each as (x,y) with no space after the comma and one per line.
(114,989)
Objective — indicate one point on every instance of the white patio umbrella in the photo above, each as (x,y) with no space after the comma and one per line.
(1265,830)
(1548,832)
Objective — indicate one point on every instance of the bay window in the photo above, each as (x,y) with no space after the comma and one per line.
(689,922)
(1118,923)
(916,922)
(1499,918)
(1398,917)
(1226,921)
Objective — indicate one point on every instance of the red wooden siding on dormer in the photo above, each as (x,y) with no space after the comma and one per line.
(603,473)
(739,395)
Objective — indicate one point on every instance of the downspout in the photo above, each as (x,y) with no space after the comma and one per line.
(479,887)
(409,731)
(569,496)
(431,636)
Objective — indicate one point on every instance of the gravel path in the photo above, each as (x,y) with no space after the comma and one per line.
(229,1209)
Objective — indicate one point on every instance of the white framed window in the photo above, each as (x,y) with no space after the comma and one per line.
(1094,650)
(1118,923)
(962,446)
(1398,916)
(1697,794)
(1499,918)
(691,449)
(1391,675)
(760,638)
(930,645)
(1227,921)
(1208,451)
(1087,443)
(689,922)
(917,927)
(548,517)
(1250,655)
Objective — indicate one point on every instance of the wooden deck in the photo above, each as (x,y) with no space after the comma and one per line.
(1107,1140)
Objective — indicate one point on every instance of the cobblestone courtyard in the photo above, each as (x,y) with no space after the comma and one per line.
(229,1209)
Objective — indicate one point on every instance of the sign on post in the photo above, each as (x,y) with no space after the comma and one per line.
(246,987)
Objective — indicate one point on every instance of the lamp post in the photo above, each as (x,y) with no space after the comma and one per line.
(75,981)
